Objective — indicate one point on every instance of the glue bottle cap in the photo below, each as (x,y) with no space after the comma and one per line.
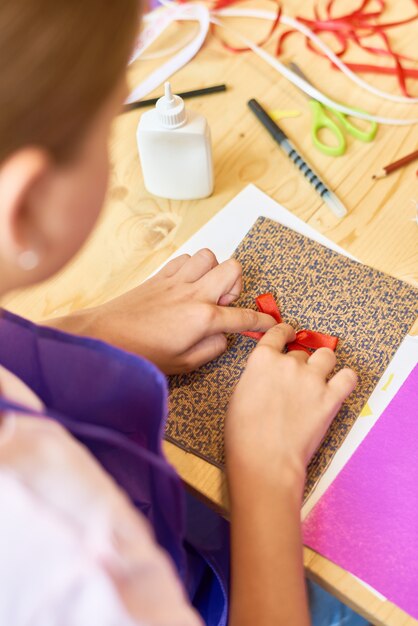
(171,109)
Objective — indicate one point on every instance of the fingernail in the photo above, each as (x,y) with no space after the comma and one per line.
(206,252)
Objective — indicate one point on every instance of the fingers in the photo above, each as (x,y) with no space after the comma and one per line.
(343,383)
(204,351)
(233,294)
(197,266)
(299,355)
(235,320)
(324,360)
(173,266)
(278,336)
(224,283)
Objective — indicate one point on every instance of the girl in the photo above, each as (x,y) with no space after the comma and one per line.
(93,528)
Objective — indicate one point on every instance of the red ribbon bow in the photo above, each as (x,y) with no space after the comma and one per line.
(306,340)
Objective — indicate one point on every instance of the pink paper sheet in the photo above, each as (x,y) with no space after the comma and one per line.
(367,521)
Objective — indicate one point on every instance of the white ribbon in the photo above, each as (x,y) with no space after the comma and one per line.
(194,12)
(161,19)
(290,21)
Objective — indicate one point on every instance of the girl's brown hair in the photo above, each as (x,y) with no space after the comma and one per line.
(59,60)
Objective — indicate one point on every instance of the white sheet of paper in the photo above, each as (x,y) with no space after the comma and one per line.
(224,232)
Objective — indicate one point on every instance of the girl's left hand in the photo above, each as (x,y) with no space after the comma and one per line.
(177,318)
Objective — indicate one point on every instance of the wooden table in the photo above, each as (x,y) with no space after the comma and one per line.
(137,232)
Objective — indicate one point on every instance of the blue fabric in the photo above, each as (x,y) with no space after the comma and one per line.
(328,611)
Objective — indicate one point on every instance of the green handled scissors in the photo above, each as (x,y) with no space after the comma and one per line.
(321,120)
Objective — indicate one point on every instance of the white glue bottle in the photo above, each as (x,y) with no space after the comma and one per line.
(175,150)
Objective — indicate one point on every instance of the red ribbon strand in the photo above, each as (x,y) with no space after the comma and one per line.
(220,4)
(355,28)
(306,340)
(352,28)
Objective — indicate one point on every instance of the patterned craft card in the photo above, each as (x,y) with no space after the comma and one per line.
(315,288)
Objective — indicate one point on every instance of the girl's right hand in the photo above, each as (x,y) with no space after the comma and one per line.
(281,410)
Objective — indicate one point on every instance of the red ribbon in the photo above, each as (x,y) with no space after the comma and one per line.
(220,4)
(354,27)
(306,340)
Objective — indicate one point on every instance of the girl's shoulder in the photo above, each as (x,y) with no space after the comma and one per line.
(71,541)
(25,438)
(14,390)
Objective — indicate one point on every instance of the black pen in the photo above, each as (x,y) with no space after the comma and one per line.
(285,144)
(186,94)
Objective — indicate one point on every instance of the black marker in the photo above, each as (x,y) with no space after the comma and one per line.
(280,137)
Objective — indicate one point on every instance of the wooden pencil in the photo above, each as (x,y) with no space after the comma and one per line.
(396,165)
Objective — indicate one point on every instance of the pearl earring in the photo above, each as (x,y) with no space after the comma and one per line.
(28,260)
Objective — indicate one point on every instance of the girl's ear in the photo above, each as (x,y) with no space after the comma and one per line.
(21,220)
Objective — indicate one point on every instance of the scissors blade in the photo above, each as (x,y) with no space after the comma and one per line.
(296,69)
